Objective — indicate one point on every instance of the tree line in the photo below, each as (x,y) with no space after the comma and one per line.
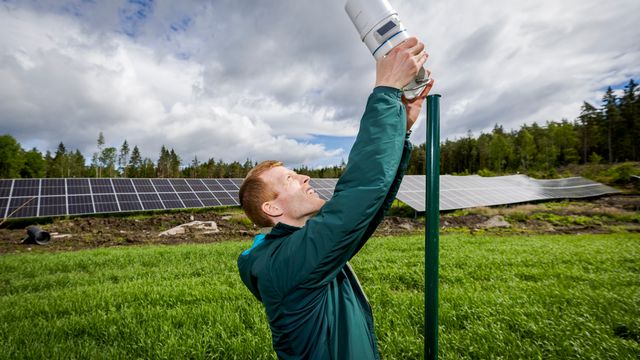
(608,132)
(108,161)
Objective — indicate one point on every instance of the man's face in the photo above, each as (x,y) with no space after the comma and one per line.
(296,197)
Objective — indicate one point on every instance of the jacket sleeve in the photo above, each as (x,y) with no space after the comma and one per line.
(314,254)
(391,195)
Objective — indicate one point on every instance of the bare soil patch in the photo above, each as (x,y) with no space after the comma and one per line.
(617,213)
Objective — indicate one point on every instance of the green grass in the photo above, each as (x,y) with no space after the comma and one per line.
(500,297)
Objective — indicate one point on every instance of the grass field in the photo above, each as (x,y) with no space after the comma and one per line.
(501,297)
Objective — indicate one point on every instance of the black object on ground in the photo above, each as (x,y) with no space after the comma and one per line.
(36,235)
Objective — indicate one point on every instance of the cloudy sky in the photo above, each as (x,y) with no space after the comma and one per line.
(289,79)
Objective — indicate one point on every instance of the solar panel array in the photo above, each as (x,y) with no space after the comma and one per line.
(21,198)
(59,197)
(460,192)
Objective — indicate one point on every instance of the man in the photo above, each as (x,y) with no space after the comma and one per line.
(299,270)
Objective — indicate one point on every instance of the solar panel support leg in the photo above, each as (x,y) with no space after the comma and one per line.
(432,228)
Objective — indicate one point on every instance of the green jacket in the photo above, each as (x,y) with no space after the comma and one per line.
(314,302)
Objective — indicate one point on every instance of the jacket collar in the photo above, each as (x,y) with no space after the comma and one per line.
(282,229)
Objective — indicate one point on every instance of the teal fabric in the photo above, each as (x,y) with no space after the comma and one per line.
(315,304)
(257,240)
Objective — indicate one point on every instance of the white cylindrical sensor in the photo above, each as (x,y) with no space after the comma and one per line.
(381,30)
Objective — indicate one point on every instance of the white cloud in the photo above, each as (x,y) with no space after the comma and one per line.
(236,80)
(518,62)
(65,84)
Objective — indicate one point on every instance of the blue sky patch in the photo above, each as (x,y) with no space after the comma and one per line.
(133,14)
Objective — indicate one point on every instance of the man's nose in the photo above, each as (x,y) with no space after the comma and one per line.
(304,178)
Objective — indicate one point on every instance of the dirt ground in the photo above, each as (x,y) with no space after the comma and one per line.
(606,214)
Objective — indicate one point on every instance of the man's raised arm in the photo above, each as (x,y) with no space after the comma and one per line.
(327,241)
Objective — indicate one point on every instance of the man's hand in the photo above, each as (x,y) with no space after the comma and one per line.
(401,65)
(414,105)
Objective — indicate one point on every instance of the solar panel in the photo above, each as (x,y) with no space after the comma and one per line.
(459,192)
(324,187)
(5,188)
(190,200)
(59,197)
(197,185)
(101,186)
(171,201)
(23,206)
(53,205)
(80,204)
(143,186)
(52,187)
(208,199)
(150,201)
(162,185)
(26,187)
(3,206)
(105,203)
(123,186)
(180,185)
(129,202)
(78,186)
(213,185)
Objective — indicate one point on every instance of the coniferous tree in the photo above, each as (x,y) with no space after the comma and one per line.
(60,162)
(123,158)
(164,163)
(49,168)
(589,119)
(612,119)
(135,163)
(630,113)
(174,164)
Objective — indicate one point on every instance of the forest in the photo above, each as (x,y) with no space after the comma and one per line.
(602,133)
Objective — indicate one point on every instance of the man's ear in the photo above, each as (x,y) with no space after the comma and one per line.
(271,209)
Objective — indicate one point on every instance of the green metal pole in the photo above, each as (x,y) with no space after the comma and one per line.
(432,224)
